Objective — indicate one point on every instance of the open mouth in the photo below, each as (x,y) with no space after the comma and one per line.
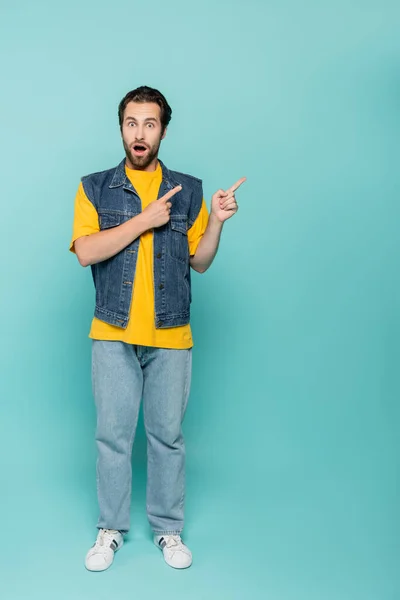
(139,149)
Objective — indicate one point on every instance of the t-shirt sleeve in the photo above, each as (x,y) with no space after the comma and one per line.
(196,232)
(86,219)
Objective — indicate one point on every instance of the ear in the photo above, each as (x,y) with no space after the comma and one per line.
(164,134)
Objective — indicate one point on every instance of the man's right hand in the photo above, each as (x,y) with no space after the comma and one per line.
(157,213)
(95,248)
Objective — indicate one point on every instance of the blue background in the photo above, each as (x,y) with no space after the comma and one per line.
(292,427)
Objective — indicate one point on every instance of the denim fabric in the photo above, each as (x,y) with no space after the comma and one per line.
(122,375)
(117,201)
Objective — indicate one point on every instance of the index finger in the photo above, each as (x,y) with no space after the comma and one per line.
(237,184)
(171,193)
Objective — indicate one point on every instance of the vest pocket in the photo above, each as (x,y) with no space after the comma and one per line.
(112,218)
(178,242)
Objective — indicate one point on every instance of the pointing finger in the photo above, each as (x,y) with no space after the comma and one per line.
(237,184)
(171,193)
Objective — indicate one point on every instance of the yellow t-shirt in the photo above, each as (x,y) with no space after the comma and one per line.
(141,328)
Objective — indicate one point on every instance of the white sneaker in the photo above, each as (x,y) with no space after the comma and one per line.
(176,554)
(101,554)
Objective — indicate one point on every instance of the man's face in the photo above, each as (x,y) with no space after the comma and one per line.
(141,135)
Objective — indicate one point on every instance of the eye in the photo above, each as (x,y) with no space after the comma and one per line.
(150,125)
(131,123)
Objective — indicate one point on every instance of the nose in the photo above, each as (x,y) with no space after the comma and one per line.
(140,133)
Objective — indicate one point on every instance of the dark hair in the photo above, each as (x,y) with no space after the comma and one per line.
(146,94)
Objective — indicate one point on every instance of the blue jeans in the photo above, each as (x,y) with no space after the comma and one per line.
(123,374)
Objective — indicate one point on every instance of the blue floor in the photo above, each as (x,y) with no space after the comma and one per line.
(295,543)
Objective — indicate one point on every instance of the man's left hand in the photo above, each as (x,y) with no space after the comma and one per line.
(223,203)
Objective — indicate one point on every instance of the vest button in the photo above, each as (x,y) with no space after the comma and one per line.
(161,286)
(160,323)
(159,255)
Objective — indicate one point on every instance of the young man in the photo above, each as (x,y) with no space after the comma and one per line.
(141,227)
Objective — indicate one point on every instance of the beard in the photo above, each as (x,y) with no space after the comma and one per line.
(142,162)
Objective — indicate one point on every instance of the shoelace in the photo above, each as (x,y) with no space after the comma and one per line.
(175,544)
(105,538)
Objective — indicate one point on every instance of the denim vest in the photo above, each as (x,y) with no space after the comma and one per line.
(116,201)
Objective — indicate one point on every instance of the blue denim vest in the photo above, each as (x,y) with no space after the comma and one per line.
(116,201)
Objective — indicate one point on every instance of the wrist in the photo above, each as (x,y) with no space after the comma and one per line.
(214,221)
(143,221)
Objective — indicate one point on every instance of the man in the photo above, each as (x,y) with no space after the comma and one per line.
(141,227)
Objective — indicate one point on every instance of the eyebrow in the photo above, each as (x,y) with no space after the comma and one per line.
(148,119)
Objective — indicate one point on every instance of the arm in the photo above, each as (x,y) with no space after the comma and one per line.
(208,246)
(95,248)
(100,246)
(223,207)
